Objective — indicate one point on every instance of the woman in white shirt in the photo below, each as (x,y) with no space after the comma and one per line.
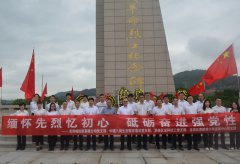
(21,139)
(39,112)
(207,137)
(52,139)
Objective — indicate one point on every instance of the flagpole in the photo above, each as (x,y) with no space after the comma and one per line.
(42,83)
(238,81)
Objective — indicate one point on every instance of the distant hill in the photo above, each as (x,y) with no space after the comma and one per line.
(184,79)
(89,92)
(187,79)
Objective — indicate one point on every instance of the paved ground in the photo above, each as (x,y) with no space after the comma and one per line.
(152,156)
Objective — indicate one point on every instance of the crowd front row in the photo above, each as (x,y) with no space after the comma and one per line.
(145,106)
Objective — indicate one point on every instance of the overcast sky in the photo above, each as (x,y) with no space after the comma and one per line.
(63,35)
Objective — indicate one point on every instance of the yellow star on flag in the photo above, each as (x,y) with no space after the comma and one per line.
(226,55)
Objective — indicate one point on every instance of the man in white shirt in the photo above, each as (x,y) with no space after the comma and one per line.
(91,110)
(125,110)
(167,105)
(199,104)
(150,105)
(21,139)
(76,112)
(176,110)
(218,108)
(39,112)
(191,108)
(159,110)
(142,109)
(70,103)
(64,139)
(33,104)
(100,105)
(84,104)
(132,104)
(182,102)
(52,100)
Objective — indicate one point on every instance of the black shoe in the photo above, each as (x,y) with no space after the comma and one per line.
(139,148)
(87,148)
(165,147)
(158,147)
(145,148)
(122,148)
(37,148)
(94,148)
(224,147)
(181,148)
(81,148)
(111,148)
(61,148)
(189,148)
(74,148)
(129,148)
(196,148)
(173,148)
(18,148)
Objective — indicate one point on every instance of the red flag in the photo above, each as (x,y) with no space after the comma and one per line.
(1,81)
(28,85)
(72,95)
(197,89)
(44,93)
(162,96)
(176,95)
(222,67)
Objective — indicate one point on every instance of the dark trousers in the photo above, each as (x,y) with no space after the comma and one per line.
(208,140)
(222,136)
(175,138)
(77,139)
(192,138)
(21,142)
(164,140)
(52,140)
(64,141)
(151,138)
(108,141)
(100,138)
(39,140)
(93,137)
(142,139)
(122,139)
(235,140)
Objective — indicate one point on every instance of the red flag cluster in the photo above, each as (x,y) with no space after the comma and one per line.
(28,85)
(222,67)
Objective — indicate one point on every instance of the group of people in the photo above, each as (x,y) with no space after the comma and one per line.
(145,106)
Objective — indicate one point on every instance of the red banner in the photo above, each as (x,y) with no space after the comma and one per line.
(119,124)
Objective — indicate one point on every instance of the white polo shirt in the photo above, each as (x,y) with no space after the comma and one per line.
(91,110)
(125,110)
(84,105)
(191,109)
(182,103)
(65,111)
(219,109)
(40,112)
(21,113)
(150,104)
(77,111)
(70,104)
(142,109)
(177,110)
(167,106)
(159,111)
(52,113)
(33,106)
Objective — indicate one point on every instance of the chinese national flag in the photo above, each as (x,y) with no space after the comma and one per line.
(1,80)
(197,89)
(161,96)
(28,85)
(44,93)
(72,95)
(223,66)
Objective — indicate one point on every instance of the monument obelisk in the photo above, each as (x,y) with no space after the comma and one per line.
(131,47)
